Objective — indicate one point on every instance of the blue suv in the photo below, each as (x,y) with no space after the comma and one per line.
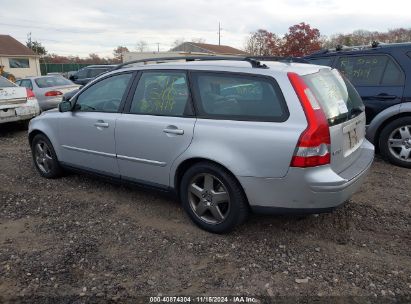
(381,73)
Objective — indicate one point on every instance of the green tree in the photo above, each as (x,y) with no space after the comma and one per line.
(118,53)
(36,47)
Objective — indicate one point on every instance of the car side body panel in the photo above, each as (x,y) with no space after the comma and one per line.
(383,116)
(49,126)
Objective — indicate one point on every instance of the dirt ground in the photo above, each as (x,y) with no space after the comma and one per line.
(79,238)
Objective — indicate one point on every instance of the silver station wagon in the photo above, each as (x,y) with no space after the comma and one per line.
(227,135)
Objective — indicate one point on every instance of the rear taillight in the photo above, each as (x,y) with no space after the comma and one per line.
(53,93)
(313,145)
(30,94)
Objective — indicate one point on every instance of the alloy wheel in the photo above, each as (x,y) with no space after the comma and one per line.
(209,198)
(399,143)
(43,157)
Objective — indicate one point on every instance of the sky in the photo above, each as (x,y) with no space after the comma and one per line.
(81,27)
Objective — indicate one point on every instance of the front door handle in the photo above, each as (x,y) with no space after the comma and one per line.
(101,124)
(173,130)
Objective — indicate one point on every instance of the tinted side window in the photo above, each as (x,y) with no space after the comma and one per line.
(393,75)
(161,93)
(105,95)
(82,73)
(322,61)
(95,72)
(363,70)
(229,96)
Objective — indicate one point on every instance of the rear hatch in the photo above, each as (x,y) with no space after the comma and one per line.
(11,96)
(345,113)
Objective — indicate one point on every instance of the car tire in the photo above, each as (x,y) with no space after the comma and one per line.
(395,142)
(45,158)
(213,198)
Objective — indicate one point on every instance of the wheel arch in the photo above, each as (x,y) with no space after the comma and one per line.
(188,163)
(381,127)
(35,132)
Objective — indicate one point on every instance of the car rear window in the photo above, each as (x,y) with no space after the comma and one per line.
(52,81)
(239,97)
(4,83)
(336,95)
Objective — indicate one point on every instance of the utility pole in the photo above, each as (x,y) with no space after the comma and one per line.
(219,33)
(158,47)
(29,39)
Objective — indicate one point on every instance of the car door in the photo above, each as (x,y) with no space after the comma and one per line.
(378,79)
(86,134)
(156,128)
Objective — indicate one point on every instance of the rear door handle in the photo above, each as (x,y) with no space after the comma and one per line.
(173,130)
(384,96)
(101,124)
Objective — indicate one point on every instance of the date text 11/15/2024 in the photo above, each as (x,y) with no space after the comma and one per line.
(203,299)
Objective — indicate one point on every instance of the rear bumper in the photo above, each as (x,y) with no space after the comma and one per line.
(49,103)
(313,190)
(23,112)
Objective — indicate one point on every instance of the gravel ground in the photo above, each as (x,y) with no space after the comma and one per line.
(79,237)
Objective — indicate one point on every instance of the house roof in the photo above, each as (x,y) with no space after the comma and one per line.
(10,46)
(216,49)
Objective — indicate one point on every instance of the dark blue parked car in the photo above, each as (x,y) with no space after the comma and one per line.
(381,73)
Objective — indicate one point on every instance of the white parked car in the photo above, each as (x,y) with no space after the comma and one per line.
(16,103)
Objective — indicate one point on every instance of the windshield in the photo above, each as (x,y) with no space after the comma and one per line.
(4,83)
(52,81)
(337,96)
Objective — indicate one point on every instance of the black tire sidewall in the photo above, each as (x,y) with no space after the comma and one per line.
(383,141)
(239,206)
(56,170)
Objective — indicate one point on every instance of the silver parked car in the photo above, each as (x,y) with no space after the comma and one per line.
(227,135)
(49,89)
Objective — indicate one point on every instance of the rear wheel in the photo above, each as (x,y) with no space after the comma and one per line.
(44,157)
(395,142)
(213,198)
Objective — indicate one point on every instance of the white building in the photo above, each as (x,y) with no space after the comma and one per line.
(18,59)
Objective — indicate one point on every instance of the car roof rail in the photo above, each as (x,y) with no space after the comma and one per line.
(288,59)
(341,48)
(254,62)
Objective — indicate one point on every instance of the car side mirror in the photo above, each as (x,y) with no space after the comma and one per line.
(65,106)
(73,77)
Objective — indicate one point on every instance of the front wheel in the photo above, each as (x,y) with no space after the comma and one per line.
(213,198)
(44,157)
(395,142)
